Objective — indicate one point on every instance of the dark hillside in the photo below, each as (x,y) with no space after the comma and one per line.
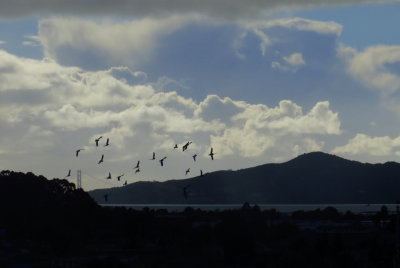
(310,178)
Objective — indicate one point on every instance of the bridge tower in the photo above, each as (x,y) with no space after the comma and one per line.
(79,179)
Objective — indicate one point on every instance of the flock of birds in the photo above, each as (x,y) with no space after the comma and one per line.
(137,167)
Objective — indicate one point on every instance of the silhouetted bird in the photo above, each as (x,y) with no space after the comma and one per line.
(154,156)
(97,141)
(119,177)
(101,159)
(109,176)
(137,170)
(184,147)
(162,160)
(212,154)
(137,165)
(69,173)
(187,171)
(106,197)
(107,142)
(176,146)
(194,157)
(77,152)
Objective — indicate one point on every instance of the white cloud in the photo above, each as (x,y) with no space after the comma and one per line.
(235,9)
(59,108)
(127,42)
(260,28)
(258,128)
(290,63)
(363,144)
(295,59)
(299,24)
(370,66)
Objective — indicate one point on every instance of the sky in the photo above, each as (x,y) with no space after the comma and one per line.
(259,82)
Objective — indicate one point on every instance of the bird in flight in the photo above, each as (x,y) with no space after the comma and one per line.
(109,176)
(154,156)
(187,171)
(119,177)
(162,161)
(194,157)
(137,170)
(97,141)
(107,142)
(137,165)
(184,147)
(69,173)
(211,154)
(101,160)
(77,152)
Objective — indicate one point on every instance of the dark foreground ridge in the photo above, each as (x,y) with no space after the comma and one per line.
(313,178)
(49,223)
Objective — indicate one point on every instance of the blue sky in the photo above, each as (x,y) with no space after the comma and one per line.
(259,83)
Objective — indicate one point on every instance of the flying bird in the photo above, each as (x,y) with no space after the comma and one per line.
(107,142)
(77,152)
(69,173)
(184,147)
(137,170)
(187,171)
(162,161)
(109,176)
(194,157)
(101,160)
(97,141)
(137,165)
(211,154)
(154,156)
(119,177)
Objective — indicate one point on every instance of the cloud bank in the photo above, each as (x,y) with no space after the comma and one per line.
(47,109)
(235,9)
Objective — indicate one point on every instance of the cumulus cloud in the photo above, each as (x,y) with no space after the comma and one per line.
(363,144)
(218,8)
(259,128)
(75,106)
(370,66)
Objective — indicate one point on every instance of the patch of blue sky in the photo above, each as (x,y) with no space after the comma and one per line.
(363,25)
(15,32)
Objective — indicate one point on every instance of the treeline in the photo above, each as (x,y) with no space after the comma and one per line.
(49,223)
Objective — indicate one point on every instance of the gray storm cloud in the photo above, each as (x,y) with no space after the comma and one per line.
(233,9)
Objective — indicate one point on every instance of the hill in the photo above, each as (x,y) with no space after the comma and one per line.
(309,178)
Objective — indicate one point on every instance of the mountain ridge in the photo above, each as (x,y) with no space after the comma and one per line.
(315,177)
